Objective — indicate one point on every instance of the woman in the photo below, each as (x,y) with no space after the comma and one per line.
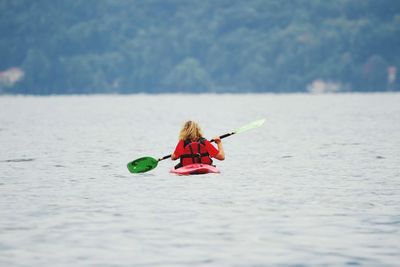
(194,148)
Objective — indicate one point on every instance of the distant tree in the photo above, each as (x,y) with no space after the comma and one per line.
(373,74)
(188,76)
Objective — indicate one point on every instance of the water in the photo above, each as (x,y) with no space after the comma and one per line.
(317,185)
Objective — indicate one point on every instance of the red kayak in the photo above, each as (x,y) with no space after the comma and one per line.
(196,168)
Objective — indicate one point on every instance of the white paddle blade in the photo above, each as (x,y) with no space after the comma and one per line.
(250,126)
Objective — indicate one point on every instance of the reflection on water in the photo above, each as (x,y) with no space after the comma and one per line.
(316,185)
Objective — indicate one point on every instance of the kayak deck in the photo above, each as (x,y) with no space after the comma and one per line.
(196,168)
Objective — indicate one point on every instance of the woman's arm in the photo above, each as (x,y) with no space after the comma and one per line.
(178,150)
(221,153)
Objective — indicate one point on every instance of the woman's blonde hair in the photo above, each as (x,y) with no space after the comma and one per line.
(190,131)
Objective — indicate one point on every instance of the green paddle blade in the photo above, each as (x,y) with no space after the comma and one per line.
(143,164)
(250,126)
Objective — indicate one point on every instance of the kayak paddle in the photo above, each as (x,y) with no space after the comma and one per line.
(145,164)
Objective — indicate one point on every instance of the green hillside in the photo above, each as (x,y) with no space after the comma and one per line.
(127,46)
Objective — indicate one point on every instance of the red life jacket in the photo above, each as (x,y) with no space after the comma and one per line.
(195,152)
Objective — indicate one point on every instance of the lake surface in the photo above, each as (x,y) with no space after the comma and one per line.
(317,185)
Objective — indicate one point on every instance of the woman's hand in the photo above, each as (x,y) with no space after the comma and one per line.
(217,139)
(221,153)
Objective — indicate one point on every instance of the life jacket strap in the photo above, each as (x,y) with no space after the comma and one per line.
(191,152)
(197,155)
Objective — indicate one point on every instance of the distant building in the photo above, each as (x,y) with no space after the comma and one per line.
(322,87)
(392,71)
(11,76)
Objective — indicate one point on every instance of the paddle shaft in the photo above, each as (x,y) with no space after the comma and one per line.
(212,140)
